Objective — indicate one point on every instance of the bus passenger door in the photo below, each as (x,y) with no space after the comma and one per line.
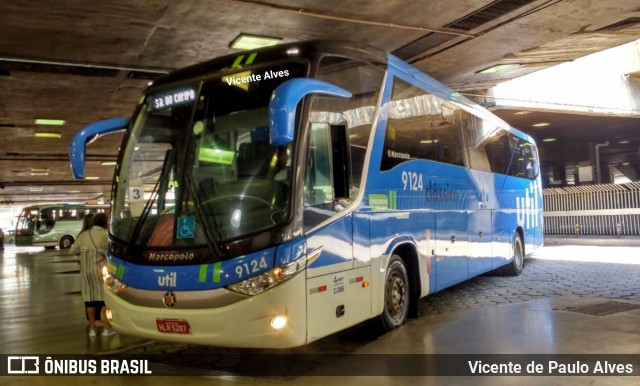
(335,297)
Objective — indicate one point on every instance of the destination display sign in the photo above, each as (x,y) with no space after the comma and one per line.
(172,98)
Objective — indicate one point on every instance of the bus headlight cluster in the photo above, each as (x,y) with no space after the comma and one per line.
(270,279)
(111,282)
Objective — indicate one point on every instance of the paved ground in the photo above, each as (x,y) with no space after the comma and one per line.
(611,272)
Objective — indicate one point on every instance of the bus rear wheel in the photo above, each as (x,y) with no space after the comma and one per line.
(396,295)
(65,242)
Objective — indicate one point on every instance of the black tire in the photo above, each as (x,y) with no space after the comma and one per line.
(396,295)
(514,268)
(65,242)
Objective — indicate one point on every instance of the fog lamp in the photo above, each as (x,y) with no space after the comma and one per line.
(279,322)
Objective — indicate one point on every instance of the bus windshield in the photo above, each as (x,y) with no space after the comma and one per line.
(198,166)
(27,220)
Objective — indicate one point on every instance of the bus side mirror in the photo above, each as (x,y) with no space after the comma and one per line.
(284,101)
(91,133)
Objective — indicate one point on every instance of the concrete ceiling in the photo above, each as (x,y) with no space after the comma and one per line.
(83,61)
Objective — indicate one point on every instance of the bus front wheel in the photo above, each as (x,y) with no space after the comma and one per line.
(65,242)
(396,295)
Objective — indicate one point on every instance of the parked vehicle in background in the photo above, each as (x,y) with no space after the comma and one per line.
(52,225)
(9,236)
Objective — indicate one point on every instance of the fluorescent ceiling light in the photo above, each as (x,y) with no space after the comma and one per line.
(498,68)
(36,189)
(251,42)
(92,178)
(108,163)
(50,122)
(623,141)
(541,124)
(548,140)
(39,173)
(39,170)
(41,134)
(522,113)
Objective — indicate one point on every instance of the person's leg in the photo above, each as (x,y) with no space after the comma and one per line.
(91,316)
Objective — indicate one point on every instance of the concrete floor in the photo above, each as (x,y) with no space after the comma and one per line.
(41,312)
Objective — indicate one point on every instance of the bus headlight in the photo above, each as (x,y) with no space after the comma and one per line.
(112,283)
(270,279)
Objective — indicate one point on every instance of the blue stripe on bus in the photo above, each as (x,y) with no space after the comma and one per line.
(194,277)
(205,276)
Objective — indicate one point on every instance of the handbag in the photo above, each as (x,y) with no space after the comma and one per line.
(101,261)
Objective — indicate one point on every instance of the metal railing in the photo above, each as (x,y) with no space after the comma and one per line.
(592,210)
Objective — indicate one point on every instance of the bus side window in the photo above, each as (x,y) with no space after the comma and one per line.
(327,183)
(340,133)
(319,174)
(421,126)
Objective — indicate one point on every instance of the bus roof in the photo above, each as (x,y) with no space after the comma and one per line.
(234,62)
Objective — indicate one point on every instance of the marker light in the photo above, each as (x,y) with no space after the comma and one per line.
(111,282)
(279,322)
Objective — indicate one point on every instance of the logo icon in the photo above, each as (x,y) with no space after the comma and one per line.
(169,299)
(23,365)
(168,280)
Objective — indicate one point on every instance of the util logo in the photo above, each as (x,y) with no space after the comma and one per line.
(528,208)
(168,280)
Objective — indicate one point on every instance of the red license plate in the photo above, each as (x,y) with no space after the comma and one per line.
(173,326)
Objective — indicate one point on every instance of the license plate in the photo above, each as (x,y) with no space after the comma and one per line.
(172,326)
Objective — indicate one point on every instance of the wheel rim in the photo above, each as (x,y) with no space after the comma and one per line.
(66,243)
(396,296)
(517,254)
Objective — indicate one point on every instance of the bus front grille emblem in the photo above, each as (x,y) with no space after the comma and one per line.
(169,299)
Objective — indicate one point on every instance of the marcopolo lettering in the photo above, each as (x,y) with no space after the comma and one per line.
(170,256)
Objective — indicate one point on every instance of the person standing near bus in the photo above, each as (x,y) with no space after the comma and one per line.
(90,247)
(87,223)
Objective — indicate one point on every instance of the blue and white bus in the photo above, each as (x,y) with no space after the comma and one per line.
(273,197)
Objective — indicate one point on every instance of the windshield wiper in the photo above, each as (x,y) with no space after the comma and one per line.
(166,167)
(211,240)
